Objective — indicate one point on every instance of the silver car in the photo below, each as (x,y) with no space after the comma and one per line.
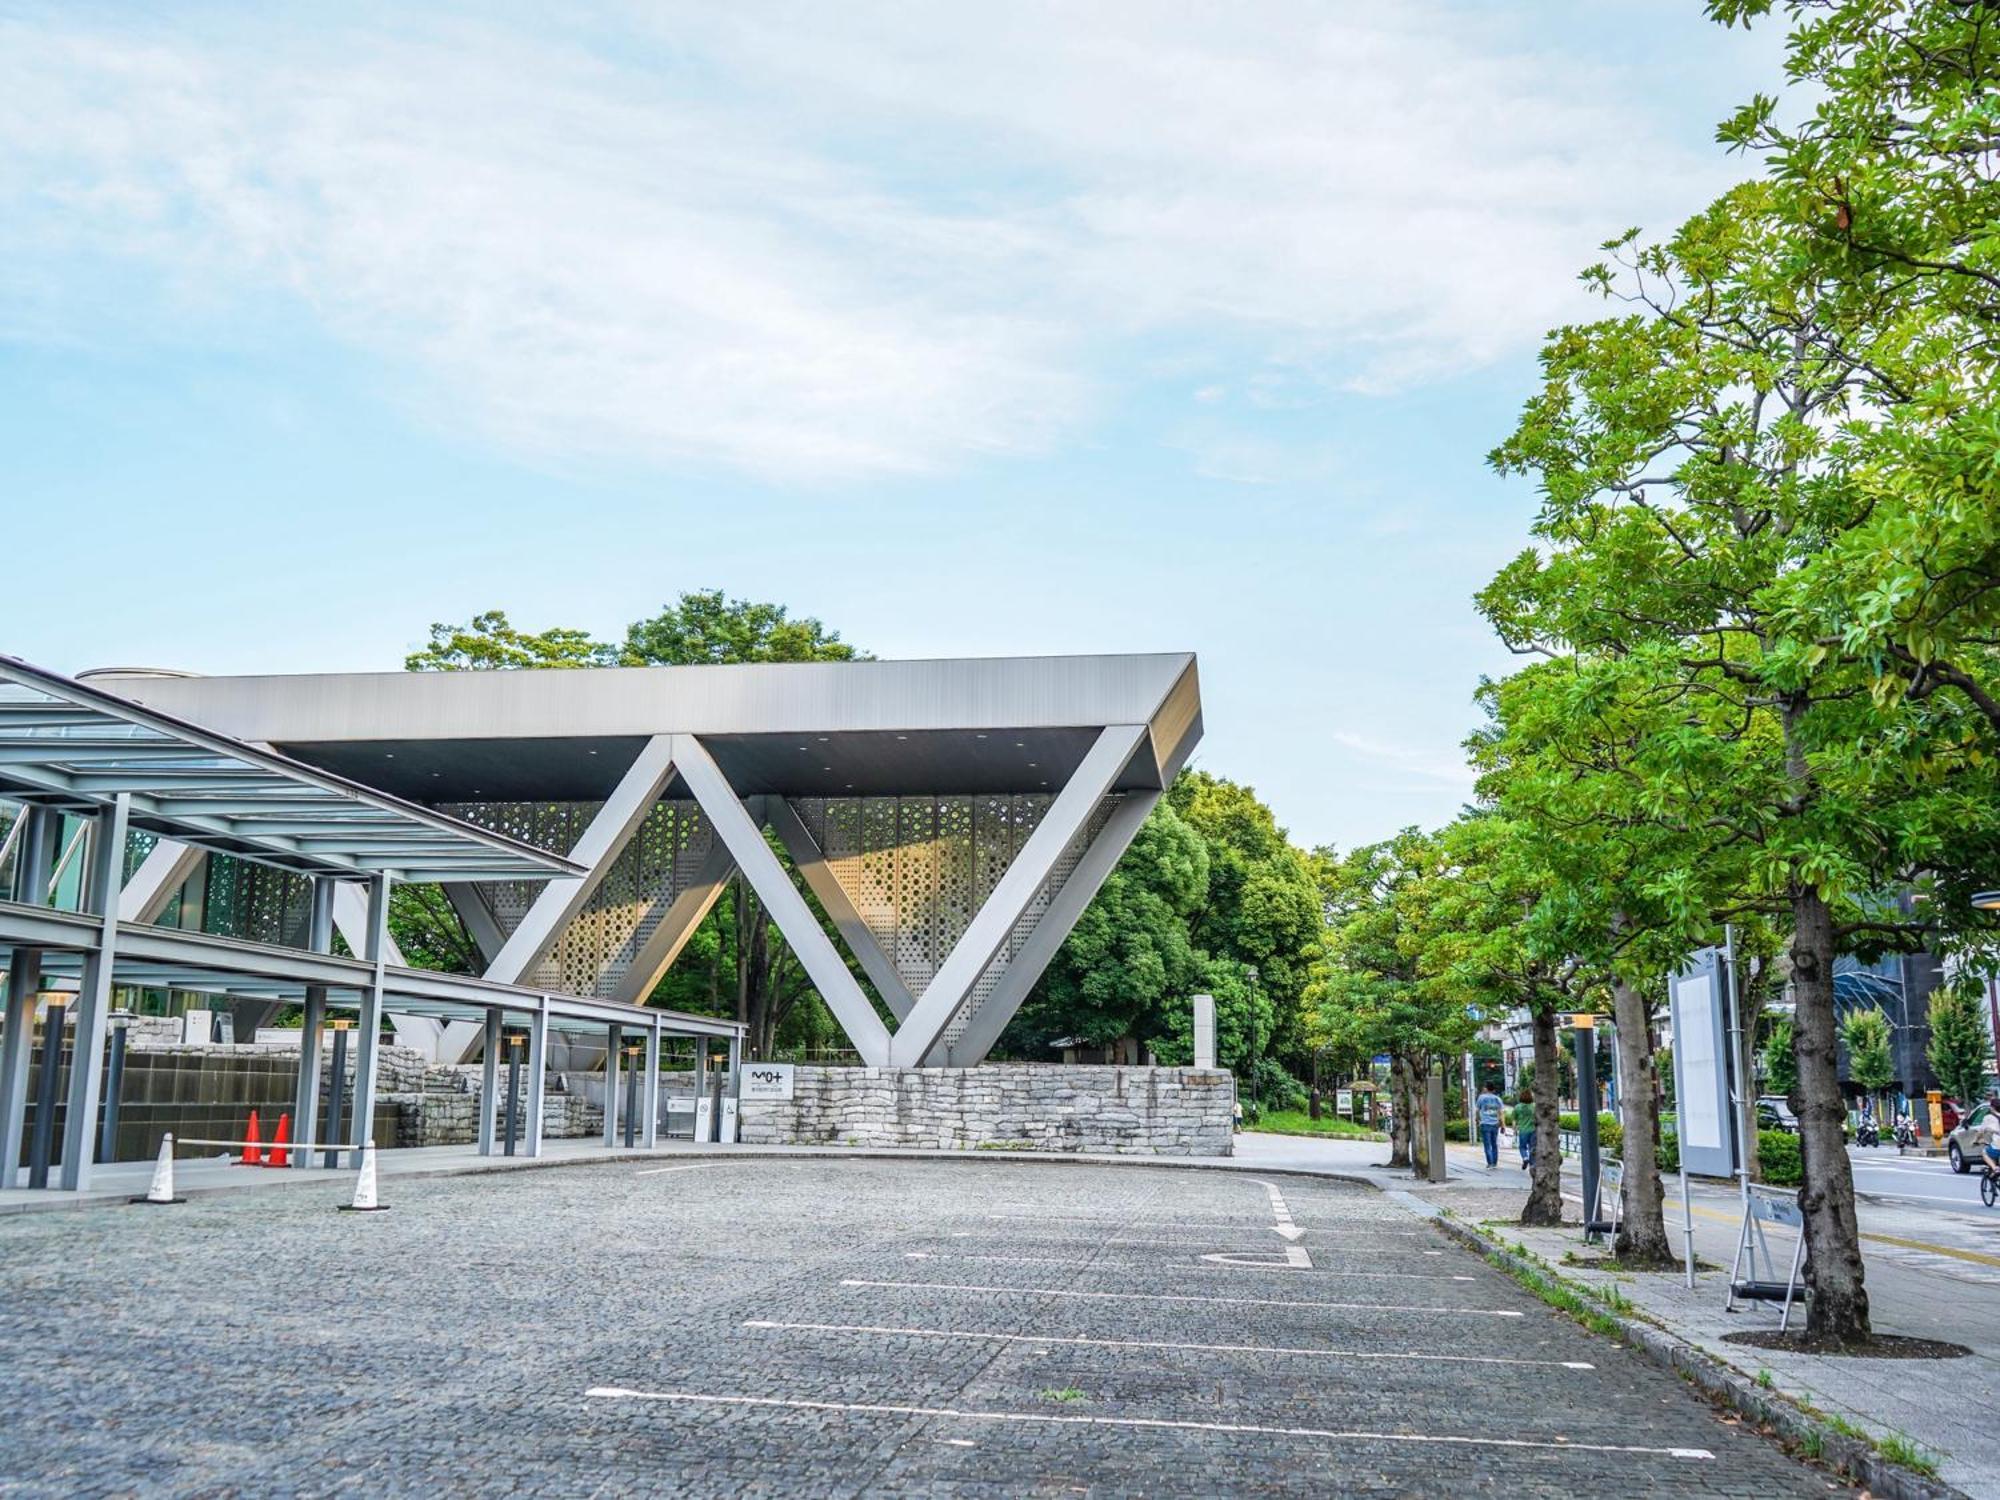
(1963,1144)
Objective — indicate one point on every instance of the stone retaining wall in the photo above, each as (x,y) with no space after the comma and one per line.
(1003,1106)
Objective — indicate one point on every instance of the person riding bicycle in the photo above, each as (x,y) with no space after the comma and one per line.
(1989,1131)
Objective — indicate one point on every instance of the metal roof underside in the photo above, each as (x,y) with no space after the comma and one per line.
(147,957)
(74,747)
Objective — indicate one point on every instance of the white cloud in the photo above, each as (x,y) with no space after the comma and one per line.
(1426,765)
(826,240)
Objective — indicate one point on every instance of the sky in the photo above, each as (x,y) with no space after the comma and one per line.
(970,329)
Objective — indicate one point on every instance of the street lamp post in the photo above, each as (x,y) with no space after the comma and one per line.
(1584,1024)
(514,1043)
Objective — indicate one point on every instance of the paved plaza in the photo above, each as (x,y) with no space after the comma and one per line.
(813,1326)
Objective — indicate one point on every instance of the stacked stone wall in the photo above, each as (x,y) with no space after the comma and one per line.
(1003,1107)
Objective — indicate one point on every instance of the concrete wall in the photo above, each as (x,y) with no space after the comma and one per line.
(1003,1106)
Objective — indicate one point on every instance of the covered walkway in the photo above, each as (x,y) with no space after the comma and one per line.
(116,769)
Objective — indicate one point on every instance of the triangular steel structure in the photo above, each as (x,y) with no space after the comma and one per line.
(952,819)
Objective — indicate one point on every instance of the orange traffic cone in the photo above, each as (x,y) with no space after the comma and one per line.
(253,1153)
(280,1157)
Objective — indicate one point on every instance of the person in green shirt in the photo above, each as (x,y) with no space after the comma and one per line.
(1524,1125)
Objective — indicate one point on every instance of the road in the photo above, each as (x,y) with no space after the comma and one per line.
(778,1326)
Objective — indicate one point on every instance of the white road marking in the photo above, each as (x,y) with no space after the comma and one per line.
(1034,1338)
(694,1166)
(1221,1263)
(1055,1291)
(1057,1419)
(1296,1257)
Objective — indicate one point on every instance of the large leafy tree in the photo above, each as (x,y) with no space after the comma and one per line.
(1692,457)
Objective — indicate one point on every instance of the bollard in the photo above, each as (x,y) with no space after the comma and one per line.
(162,1190)
(365,1198)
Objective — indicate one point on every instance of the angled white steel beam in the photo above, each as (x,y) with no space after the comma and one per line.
(822,962)
(664,943)
(350,920)
(478,918)
(984,1026)
(163,871)
(856,933)
(609,832)
(989,928)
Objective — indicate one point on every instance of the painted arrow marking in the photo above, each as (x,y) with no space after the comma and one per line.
(1296,1255)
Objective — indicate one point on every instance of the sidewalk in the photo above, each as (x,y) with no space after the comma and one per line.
(1931,1273)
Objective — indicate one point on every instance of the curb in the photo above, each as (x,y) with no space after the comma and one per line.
(1773,1414)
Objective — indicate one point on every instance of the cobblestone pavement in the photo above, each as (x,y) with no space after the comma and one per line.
(783,1327)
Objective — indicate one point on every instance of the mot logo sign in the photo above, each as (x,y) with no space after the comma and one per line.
(767,1081)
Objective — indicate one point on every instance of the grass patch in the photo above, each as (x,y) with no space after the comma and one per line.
(1562,1298)
(1298,1122)
(1767,1380)
(1898,1448)
(1063,1396)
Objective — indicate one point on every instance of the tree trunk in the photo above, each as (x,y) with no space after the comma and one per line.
(1545,1204)
(1417,1083)
(1642,1231)
(1399,1114)
(1839,1306)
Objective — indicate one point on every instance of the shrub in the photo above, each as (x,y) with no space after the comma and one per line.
(1610,1133)
(1457,1130)
(1273,1088)
(1670,1153)
(1778,1157)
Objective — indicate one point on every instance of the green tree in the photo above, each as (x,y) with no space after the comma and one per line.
(705,627)
(1691,458)
(1866,1031)
(1262,908)
(1781,1068)
(489,643)
(1959,1046)
(1130,961)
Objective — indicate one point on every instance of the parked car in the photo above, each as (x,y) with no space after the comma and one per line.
(1773,1113)
(1962,1144)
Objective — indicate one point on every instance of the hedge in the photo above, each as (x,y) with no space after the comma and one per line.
(1610,1133)
(1778,1158)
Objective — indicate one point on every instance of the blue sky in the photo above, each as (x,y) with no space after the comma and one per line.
(972,330)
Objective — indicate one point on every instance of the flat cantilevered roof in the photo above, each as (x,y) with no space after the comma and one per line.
(75,747)
(987,724)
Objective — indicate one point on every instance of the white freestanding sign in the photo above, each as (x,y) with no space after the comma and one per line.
(1204,1031)
(767,1081)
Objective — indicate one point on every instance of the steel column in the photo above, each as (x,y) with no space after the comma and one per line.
(24,982)
(93,1002)
(489,1082)
(305,1102)
(652,1105)
(683,915)
(538,1063)
(375,951)
(611,1086)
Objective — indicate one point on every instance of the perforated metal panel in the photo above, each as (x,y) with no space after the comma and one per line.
(918,869)
(594,952)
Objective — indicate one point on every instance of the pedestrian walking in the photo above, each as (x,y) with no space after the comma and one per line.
(1524,1125)
(1489,1110)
